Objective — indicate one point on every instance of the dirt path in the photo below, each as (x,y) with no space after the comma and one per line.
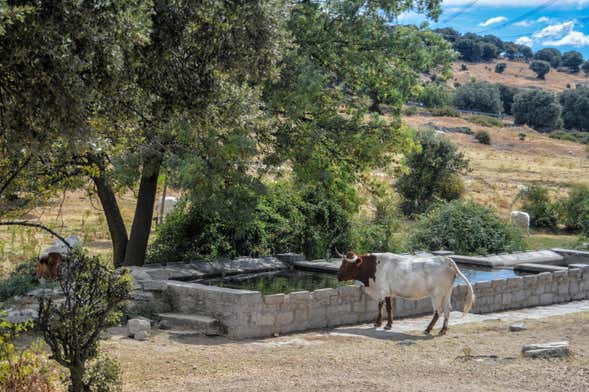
(350,359)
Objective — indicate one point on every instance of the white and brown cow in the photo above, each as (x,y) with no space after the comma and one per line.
(388,275)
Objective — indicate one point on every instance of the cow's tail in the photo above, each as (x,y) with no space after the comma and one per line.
(470,296)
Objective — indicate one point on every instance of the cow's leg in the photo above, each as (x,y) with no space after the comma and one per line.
(378,322)
(432,323)
(389,313)
(447,307)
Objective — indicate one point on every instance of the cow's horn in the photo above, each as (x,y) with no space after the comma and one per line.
(339,254)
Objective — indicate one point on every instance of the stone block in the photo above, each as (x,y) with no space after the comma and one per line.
(274,299)
(546,299)
(546,350)
(154,285)
(514,284)
(136,325)
(349,293)
(285,318)
(499,285)
(530,282)
(253,297)
(300,297)
(141,335)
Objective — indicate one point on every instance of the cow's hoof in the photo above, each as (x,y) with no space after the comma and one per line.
(427,332)
(443,332)
(388,326)
(377,324)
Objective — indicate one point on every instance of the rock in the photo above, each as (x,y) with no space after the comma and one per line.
(407,342)
(164,325)
(546,350)
(516,327)
(141,335)
(137,325)
(59,247)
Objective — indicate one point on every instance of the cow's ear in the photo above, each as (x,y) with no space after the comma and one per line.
(359,261)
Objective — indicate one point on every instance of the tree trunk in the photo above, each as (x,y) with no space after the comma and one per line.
(142,220)
(114,219)
(76,376)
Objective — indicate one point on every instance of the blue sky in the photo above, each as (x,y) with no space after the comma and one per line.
(562,24)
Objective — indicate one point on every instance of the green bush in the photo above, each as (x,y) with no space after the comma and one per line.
(20,281)
(537,203)
(537,108)
(438,162)
(572,59)
(486,121)
(507,94)
(410,111)
(572,136)
(500,67)
(551,55)
(574,210)
(435,95)
(483,137)
(444,112)
(104,375)
(479,96)
(465,228)
(288,217)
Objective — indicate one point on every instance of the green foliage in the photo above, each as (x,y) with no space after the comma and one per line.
(429,169)
(444,112)
(507,94)
(435,95)
(20,281)
(572,59)
(537,203)
(27,369)
(486,121)
(104,375)
(517,51)
(465,228)
(94,298)
(537,108)
(574,210)
(572,136)
(540,67)
(522,136)
(585,68)
(500,67)
(483,137)
(478,96)
(575,108)
(550,55)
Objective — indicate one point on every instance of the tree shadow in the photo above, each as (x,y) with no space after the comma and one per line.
(380,334)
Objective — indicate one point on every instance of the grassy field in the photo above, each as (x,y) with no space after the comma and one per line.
(517,74)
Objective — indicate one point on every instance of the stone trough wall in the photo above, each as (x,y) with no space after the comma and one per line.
(248,314)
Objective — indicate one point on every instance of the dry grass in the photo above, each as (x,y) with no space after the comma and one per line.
(502,168)
(517,74)
(322,362)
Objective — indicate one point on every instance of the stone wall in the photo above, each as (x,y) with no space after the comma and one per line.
(248,314)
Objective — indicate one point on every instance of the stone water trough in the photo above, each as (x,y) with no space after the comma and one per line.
(183,306)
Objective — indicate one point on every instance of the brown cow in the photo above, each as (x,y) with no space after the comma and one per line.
(48,266)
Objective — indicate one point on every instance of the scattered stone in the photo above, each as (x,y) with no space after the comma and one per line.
(546,350)
(141,335)
(137,325)
(517,327)
(407,342)
(164,325)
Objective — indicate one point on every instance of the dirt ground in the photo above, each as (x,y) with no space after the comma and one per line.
(323,361)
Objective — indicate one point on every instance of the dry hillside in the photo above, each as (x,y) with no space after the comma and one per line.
(517,74)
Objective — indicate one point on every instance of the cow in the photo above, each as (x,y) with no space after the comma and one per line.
(169,203)
(52,257)
(521,219)
(387,275)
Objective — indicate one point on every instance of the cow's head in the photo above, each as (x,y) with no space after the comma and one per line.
(48,265)
(361,268)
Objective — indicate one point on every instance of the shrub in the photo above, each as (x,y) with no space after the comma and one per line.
(410,111)
(500,67)
(27,369)
(537,203)
(20,281)
(435,95)
(483,137)
(465,228)
(516,51)
(538,109)
(507,94)
(288,217)
(572,59)
(94,299)
(486,121)
(438,161)
(522,136)
(104,375)
(540,67)
(572,136)
(575,108)
(574,210)
(444,112)
(550,55)
(585,68)
(479,96)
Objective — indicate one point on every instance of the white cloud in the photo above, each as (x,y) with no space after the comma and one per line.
(524,41)
(573,38)
(495,20)
(556,30)
(542,19)
(524,23)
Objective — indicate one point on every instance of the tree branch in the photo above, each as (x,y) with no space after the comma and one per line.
(39,226)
